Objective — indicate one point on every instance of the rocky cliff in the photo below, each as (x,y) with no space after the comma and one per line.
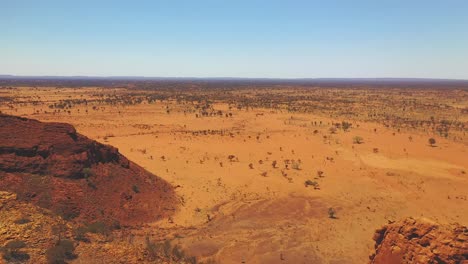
(420,241)
(53,166)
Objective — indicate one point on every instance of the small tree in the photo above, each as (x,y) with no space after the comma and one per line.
(61,252)
(87,172)
(310,183)
(12,251)
(432,142)
(358,140)
(346,126)
(331,213)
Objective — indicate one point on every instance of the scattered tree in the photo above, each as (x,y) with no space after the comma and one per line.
(331,213)
(358,140)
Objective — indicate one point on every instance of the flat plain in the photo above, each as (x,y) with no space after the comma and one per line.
(288,174)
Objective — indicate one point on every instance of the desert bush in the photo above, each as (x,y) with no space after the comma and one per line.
(80,234)
(67,210)
(296,165)
(15,244)
(98,228)
(61,252)
(164,251)
(432,142)
(91,184)
(310,183)
(345,125)
(12,251)
(87,172)
(22,221)
(178,253)
(331,213)
(152,249)
(358,140)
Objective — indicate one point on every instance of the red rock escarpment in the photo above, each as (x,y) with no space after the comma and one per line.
(53,166)
(420,241)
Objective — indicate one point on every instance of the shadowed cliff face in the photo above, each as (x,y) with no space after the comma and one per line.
(55,149)
(420,241)
(53,166)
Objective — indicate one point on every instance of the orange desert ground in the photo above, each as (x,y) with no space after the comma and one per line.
(260,180)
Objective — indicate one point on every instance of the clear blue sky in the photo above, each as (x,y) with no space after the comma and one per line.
(238,38)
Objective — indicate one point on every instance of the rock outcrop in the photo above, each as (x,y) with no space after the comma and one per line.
(54,149)
(53,166)
(420,241)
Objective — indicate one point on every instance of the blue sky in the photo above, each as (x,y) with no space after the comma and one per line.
(279,39)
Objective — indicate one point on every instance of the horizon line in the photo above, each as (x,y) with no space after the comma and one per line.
(2,76)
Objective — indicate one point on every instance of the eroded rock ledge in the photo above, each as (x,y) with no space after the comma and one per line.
(420,241)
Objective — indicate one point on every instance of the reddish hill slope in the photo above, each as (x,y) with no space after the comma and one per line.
(53,166)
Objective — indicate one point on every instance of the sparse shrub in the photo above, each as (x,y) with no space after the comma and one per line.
(331,213)
(136,189)
(310,183)
(61,252)
(432,142)
(15,244)
(232,158)
(178,253)
(358,140)
(87,172)
(98,228)
(345,125)
(91,184)
(80,234)
(12,251)
(296,165)
(95,228)
(165,252)
(152,249)
(22,221)
(67,210)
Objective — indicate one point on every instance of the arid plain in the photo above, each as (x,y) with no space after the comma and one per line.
(278,175)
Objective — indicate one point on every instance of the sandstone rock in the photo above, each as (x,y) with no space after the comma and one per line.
(53,166)
(55,149)
(420,241)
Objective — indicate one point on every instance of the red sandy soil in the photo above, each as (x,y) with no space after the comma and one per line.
(244,209)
